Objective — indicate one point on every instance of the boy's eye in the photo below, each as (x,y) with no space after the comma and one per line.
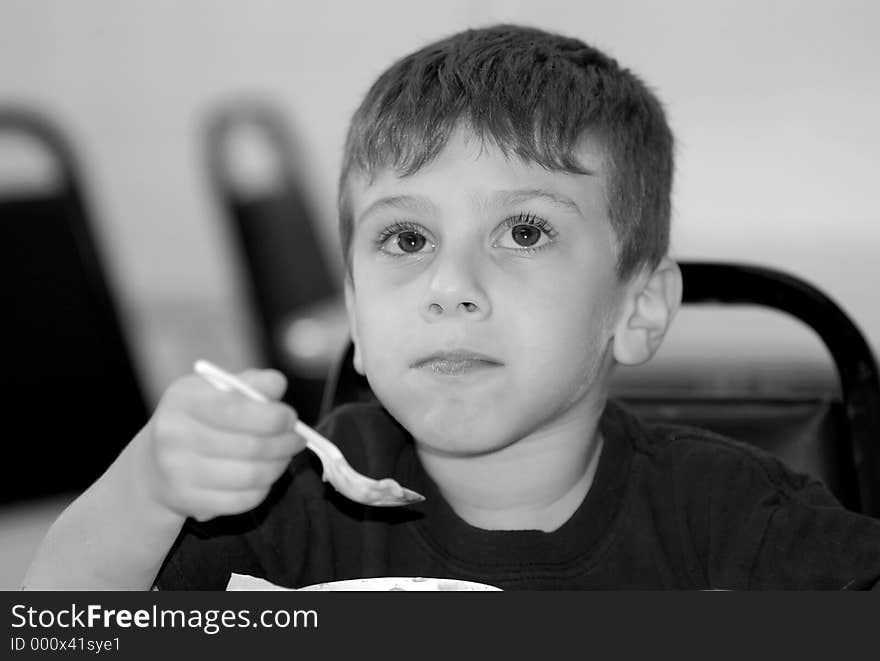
(525,232)
(525,235)
(403,239)
(410,241)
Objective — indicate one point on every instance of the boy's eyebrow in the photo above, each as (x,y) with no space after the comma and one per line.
(518,196)
(415,203)
(420,204)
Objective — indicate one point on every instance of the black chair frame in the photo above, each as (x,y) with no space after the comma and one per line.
(283,269)
(707,283)
(98,388)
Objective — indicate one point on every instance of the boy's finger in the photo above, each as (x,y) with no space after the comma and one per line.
(271,383)
(234,412)
(210,503)
(237,475)
(212,442)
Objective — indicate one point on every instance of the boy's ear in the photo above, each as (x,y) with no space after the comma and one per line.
(650,304)
(352,324)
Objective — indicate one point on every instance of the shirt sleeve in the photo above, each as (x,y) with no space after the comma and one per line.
(781,530)
(807,545)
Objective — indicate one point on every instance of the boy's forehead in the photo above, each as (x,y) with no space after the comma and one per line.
(501,175)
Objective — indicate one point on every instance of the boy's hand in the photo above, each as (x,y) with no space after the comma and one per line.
(211,453)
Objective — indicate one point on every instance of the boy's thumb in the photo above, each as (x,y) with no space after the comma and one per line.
(271,383)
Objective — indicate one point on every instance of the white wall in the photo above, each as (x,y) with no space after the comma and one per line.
(774,105)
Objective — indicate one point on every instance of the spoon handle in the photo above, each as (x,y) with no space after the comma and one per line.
(223,380)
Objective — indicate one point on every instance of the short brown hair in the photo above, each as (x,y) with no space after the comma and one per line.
(536,95)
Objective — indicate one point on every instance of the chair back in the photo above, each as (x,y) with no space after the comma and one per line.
(71,396)
(283,265)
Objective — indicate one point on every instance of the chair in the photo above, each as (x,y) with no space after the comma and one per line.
(71,396)
(291,286)
(834,436)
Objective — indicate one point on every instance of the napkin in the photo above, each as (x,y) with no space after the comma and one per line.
(245,582)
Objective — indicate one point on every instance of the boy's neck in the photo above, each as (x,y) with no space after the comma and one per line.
(536,483)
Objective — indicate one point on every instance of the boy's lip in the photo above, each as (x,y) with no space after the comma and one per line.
(456,362)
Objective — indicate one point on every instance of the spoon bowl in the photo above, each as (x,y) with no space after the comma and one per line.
(337,471)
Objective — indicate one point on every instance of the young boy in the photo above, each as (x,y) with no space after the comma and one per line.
(504,205)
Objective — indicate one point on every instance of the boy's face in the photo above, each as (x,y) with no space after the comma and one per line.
(484,295)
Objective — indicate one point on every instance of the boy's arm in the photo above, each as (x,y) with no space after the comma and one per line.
(113,536)
(203,454)
(758,525)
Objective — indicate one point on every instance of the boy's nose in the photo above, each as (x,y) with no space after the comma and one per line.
(455,290)
(467,308)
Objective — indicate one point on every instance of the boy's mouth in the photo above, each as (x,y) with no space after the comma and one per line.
(456,363)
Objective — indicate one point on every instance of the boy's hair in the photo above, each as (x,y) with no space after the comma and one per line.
(533,94)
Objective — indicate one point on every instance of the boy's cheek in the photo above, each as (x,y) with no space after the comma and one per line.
(377,277)
(387,301)
(394,277)
(382,335)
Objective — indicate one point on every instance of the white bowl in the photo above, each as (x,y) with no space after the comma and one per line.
(402,583)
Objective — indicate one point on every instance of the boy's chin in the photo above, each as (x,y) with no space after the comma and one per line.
(458,447)
(461,438)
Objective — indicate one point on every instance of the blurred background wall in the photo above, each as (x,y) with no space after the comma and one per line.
(774,103)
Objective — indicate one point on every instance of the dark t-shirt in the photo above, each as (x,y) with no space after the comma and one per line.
(670,508)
